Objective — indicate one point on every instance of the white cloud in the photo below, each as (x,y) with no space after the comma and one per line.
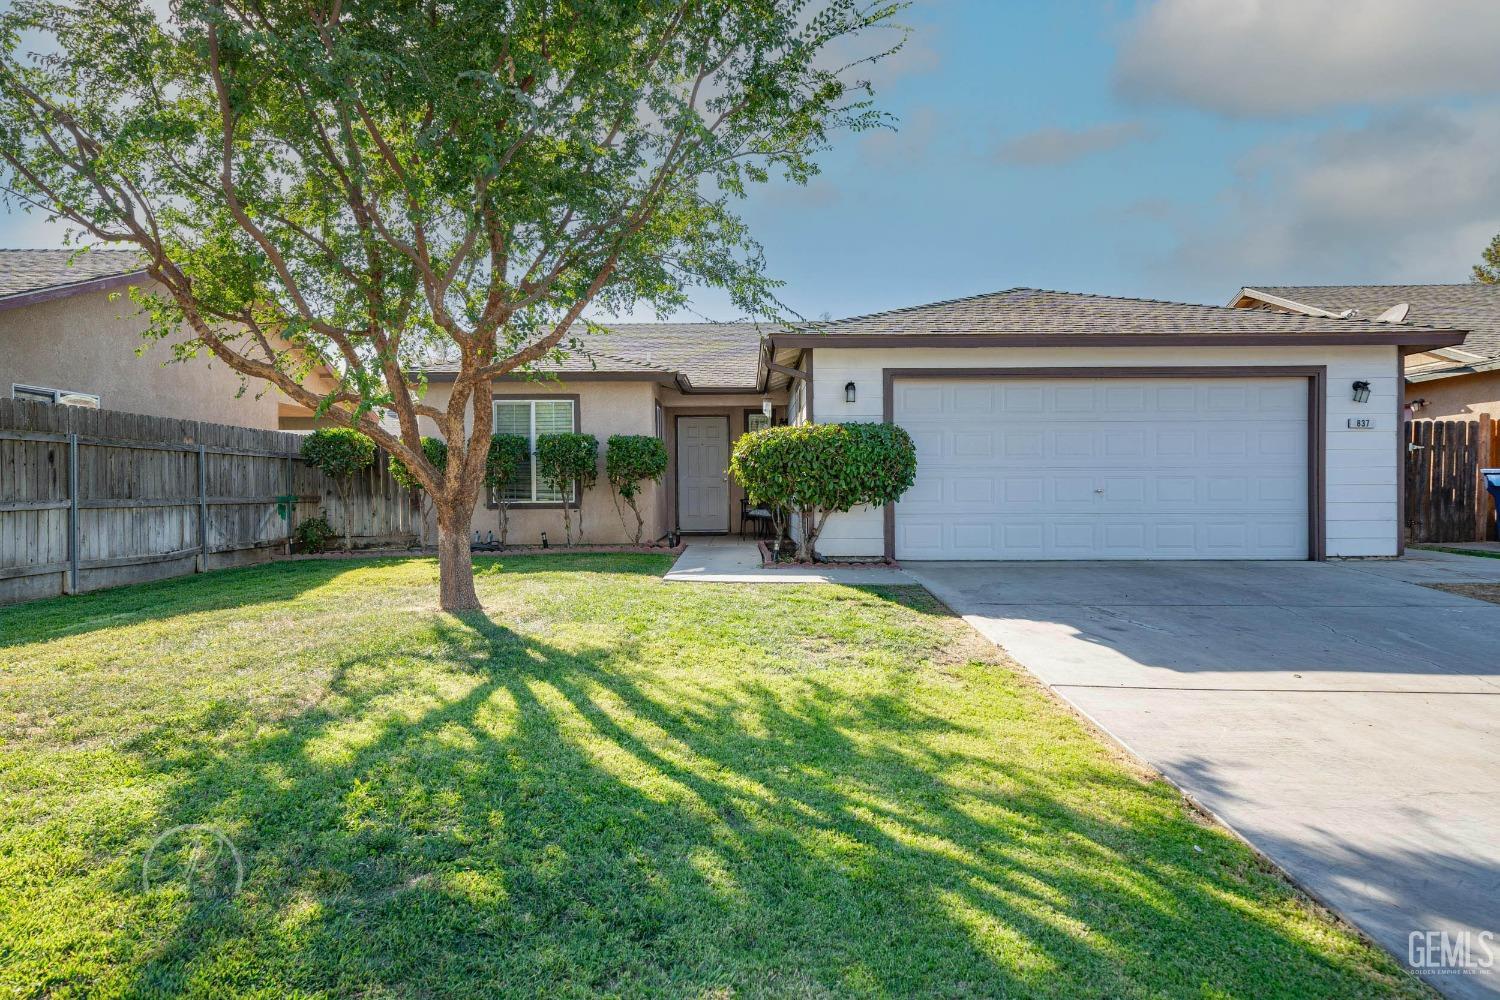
(1052,146)
(1410,196)
(1274,57)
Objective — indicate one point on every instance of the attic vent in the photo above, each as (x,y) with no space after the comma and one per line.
(1395,314)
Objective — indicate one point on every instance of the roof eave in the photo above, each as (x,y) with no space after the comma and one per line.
(1397,338)
(53,292)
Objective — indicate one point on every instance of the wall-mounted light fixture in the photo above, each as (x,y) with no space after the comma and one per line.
(849,392)
(765,406)
(1417,404)
(1361,392)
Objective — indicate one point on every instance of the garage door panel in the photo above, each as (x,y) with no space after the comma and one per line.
(1119,469)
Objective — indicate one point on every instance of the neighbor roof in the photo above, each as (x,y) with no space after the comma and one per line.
(37,275)
(1023,316)
(1470,306)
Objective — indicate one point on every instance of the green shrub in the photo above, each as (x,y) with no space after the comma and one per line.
(340,453)
(566,461)
(821,469)
(629,461)
(436,450)
(313,534)
(507,452)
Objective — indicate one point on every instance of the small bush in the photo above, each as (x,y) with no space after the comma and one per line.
(629,461)
(820,469)
(564,460)
(507,452)
(313,534)
(436,450)
(340,453)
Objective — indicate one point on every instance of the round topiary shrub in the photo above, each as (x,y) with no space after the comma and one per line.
(340,453)
(506,455)
(816,470)
(629,461)
(436,450)
(568,462)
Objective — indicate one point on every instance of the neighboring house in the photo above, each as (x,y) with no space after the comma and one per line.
(1049,425)
(69,334)
(1444,382)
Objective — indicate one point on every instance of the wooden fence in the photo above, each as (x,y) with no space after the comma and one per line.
(98,498)
(1446,499)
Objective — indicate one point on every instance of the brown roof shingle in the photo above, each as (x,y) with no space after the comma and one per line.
(1469,306)
(26,271)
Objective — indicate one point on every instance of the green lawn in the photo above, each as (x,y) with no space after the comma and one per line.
(607,784)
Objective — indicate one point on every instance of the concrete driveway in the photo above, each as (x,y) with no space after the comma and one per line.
(1340,717)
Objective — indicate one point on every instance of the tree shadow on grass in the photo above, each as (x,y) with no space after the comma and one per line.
(534,819)
(248,587)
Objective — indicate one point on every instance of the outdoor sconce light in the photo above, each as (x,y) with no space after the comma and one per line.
(1417,404)
(849,392)
(765,406)
(1361,392)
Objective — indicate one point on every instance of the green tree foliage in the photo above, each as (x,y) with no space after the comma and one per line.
(1489,270)
(357,187)
(507,452)
(340,453)
(569,464)
(820,469)
(436,451)
(629,461)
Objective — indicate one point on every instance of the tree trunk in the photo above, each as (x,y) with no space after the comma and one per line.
(504,521)
(455,561)
(567,524)
(640,522)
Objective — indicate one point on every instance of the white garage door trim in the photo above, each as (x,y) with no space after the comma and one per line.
(1315,375)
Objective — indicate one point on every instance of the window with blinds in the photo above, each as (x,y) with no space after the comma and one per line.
(528,418)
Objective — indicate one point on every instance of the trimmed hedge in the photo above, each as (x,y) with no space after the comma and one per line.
(563,460)
(821,469)
(629,461)
(507,452)
(436,450)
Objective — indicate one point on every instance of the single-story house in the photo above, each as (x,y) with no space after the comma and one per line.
(1454,382)
(1049,425)
(69,335)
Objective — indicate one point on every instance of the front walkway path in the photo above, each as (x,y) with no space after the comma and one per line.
(727,559)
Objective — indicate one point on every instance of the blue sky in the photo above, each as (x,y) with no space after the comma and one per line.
(1163,148)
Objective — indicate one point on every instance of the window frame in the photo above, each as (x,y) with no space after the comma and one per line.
(28,392)
(491,495)
(751,415)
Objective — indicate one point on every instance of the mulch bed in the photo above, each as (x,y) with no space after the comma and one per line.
(769,563)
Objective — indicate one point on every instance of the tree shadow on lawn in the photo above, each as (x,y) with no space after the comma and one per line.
(552,821)
(253,587)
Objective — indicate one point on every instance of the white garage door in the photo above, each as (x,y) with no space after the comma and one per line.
(1171,468)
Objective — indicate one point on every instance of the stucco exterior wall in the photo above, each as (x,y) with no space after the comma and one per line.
(1463,397)
(1361,484)
(604,408)
(88,343)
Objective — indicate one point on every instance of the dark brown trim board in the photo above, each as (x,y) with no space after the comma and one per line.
(1400,455)
(577,501)
(676,470)
(1398,337)
(1317,418)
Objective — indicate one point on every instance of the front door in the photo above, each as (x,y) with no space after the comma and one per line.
(702,474)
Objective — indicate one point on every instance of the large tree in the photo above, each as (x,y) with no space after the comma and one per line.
(358,184)
(1488,271)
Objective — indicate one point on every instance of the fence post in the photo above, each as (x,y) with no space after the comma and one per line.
(202,509)
(72,513)
(1482,500)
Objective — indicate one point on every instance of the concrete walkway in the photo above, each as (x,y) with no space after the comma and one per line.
(1339,717)
(727,559)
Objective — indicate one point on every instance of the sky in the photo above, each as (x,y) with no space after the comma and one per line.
(1172,149)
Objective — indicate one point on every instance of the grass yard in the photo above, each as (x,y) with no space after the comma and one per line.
(607,784)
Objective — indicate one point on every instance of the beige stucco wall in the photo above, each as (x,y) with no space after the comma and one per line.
(88,343)
(1464,396)
(604,408)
